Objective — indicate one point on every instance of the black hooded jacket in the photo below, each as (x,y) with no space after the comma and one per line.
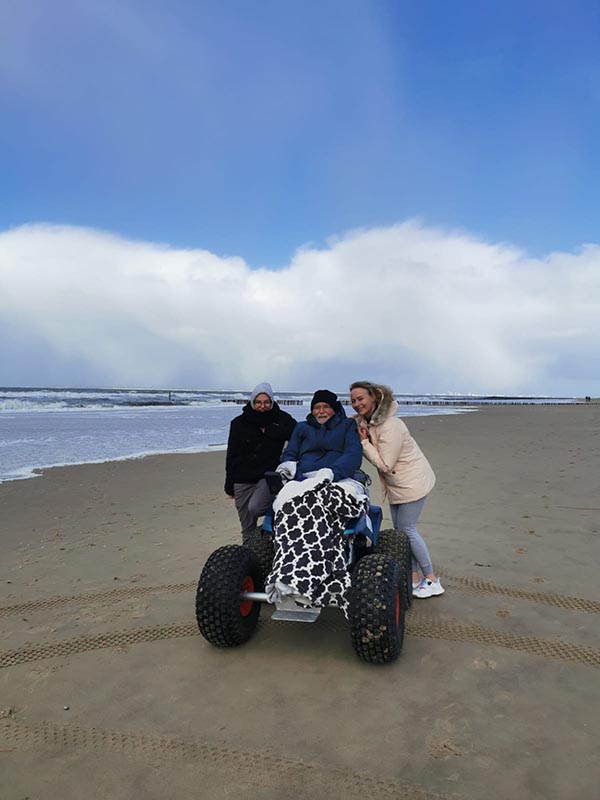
(256,439)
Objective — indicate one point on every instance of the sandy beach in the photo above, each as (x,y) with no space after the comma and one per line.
(108,691)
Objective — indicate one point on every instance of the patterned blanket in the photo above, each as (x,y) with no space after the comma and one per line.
(310,561)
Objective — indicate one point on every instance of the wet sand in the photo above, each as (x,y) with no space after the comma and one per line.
(107,690)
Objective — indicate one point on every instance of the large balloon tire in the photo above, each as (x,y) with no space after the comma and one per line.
(223,617)
(261,544)
(397,545)
(377,609)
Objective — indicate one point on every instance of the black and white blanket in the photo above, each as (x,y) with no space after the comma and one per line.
(310,561)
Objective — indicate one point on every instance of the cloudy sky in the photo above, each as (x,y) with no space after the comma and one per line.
(209,194)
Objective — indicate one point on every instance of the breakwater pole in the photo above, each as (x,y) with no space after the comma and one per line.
(456,403)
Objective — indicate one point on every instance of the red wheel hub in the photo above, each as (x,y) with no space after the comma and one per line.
(397,608)
(246,605)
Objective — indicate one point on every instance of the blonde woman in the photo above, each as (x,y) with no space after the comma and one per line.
(406,475)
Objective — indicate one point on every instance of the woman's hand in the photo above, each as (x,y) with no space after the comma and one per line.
(363,433)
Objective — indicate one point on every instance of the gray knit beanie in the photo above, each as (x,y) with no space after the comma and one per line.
(261,388)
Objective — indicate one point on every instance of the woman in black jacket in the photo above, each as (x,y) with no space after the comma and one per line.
(256,439)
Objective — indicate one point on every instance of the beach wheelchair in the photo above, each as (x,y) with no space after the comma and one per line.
(231,588)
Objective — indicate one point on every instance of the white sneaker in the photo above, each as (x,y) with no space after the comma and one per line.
(415,586)
(428,588)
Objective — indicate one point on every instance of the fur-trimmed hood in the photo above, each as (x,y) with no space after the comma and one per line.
(386,404)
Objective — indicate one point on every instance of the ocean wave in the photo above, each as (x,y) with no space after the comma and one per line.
(32,405)
(81,403)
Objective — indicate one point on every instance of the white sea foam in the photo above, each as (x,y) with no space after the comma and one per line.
(31,406)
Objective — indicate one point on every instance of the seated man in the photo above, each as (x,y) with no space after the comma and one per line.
(313,509)
(327,439)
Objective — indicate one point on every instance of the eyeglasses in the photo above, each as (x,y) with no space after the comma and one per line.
(262,404)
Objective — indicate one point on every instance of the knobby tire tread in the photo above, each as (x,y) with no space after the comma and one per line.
(261,544)
(376,637)
(397,545)
(218,612)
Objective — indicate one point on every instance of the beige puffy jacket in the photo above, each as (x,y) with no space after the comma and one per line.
(405,473)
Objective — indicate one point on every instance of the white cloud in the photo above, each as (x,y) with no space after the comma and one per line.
(418,307)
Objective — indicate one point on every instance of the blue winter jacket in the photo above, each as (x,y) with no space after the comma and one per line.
(335,444)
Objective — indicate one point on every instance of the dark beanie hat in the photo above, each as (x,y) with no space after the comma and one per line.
(325,396)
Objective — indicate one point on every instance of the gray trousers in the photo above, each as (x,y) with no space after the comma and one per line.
(252,500)
(404,518)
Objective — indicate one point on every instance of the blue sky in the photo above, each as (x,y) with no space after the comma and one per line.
(251,128)
(255,129)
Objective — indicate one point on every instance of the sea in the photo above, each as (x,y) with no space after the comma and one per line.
(49,427)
